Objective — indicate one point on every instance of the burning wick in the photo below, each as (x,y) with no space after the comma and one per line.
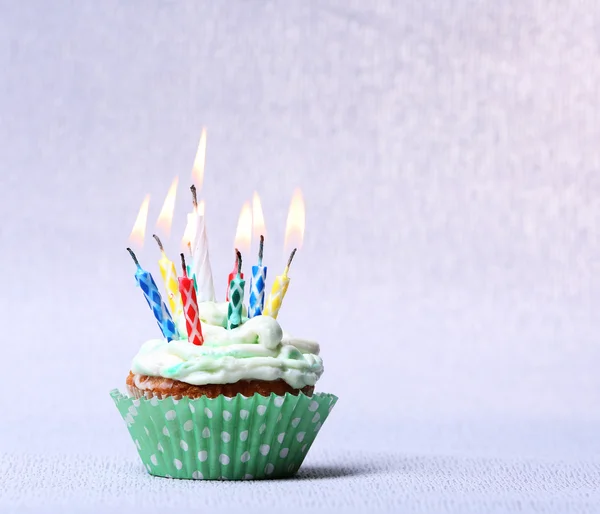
(194,197)
(133,257)
(160,245)
(289,262)
(239,261)
(183,265)
(260,249)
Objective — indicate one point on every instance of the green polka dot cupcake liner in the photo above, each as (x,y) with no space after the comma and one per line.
(239,438)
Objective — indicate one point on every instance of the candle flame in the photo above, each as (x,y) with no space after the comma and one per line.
(190,227)
(200,162)
(243,233)
(165,218)
(136,238)
(296,220)
(258,219)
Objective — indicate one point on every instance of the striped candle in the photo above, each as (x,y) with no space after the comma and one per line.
(280,287)
(257,284)
(190,307)
(169,276)
(236,297)
(155,302)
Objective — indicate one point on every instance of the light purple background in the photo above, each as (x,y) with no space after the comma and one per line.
(448,153)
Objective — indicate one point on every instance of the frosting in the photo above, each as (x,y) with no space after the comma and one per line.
(256,350)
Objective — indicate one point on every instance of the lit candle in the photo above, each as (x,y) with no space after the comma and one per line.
(236,297)
(155,302)
(280,287)
(169,275)
(190,307)
(257,284)
(201,268)
(233,273)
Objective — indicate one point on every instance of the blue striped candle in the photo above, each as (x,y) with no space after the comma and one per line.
(257,284)
(155,301)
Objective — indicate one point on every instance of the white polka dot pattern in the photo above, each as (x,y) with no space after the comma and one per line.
(242,438)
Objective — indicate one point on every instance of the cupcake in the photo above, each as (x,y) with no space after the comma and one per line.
(240,406)
(225,393)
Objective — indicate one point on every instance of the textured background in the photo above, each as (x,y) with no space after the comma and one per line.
(448,153)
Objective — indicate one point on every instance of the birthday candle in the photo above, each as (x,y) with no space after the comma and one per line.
(155,302)
(280,287)
(190,307)
(236,297)
(257,284)
(201,268)
(232,274)
(169,275)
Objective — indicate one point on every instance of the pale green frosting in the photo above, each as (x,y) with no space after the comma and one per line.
(256,350)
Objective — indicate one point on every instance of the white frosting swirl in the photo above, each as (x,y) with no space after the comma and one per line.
(256,350)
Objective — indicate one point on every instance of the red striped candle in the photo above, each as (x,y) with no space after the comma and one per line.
(190,307)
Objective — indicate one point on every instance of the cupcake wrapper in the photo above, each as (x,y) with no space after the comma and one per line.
(224,438)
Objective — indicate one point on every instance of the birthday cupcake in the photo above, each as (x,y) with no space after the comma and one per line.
(221,395)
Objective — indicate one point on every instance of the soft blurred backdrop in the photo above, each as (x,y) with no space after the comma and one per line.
(448,154)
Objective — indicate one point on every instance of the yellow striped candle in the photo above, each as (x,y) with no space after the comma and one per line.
(169,275)
(280,287)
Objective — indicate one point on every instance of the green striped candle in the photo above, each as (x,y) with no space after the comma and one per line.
(236,297)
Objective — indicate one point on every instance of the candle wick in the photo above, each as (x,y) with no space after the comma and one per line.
(260,250)
(133,257)
(239,262)
(289,263)
(160,245)
(235,262)
(194,196)
(183,265)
